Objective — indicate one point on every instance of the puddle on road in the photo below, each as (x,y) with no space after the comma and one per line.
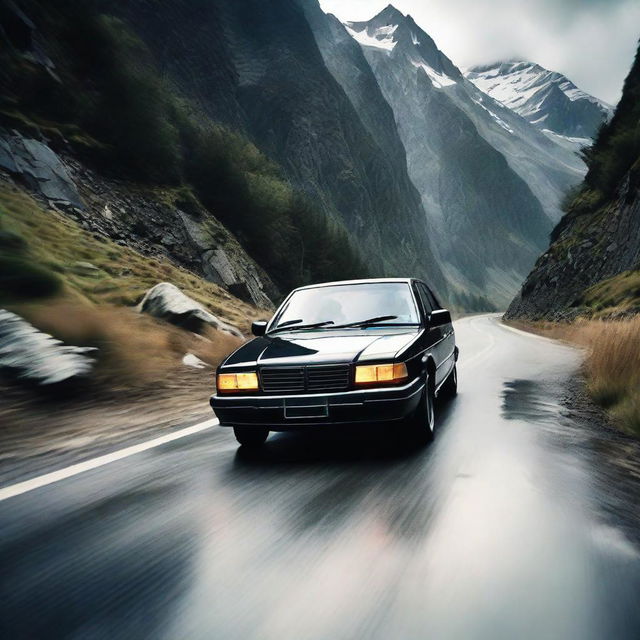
(528,400)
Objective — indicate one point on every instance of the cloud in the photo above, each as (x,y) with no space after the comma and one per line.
(593,42)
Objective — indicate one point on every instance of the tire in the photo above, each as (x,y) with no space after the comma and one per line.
(421,424)
(251,437)
(449,389)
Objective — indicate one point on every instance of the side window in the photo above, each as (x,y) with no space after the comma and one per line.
(425,298)
(417,294)
(434,303)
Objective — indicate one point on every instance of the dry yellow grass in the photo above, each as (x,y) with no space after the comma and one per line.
(613,367)
(135,351)
(612,364)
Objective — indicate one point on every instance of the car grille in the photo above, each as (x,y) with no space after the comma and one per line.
(313,379)
(328,378)
(282,379)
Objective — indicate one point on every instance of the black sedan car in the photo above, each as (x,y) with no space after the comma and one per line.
(357,351)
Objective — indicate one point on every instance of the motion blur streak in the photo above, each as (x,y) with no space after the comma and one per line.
(68,472)
(501,529)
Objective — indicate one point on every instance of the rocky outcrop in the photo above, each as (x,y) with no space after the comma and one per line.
(226,263)
(37,166)
(30,356)
(166,302)
(142,219)
(587,250)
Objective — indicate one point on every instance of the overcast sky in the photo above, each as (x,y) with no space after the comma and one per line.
(593,42)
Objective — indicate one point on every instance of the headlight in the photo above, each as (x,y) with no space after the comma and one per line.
(372,374)
(230,382)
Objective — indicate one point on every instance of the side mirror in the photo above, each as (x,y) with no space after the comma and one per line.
(259,327)
(439,317)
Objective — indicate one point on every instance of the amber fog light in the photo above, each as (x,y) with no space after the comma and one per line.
(373,374)
(233,382)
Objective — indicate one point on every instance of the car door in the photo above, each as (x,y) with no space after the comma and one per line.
(432,334)
(440,337)
(447,345)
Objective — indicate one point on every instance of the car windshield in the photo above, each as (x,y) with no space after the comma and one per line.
(379,303)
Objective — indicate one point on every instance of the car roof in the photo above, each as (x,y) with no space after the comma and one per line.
(361,281)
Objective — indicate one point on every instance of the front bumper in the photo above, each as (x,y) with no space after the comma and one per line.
(286,412)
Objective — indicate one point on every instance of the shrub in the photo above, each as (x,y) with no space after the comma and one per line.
(615,150)
(610,165)
(278,226)
(21,279)
(131,110)
(187,202)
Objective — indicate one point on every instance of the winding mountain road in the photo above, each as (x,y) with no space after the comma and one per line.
(508,526)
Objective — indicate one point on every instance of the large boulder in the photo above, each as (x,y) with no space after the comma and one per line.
(39,167)
(228,265)
(167,302)
(35,357)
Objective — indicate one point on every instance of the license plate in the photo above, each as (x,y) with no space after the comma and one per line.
(304,409)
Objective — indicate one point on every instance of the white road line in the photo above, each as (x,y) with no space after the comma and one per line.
(55,476)
(464,363)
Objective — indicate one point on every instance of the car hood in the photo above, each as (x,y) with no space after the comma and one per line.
(316,347)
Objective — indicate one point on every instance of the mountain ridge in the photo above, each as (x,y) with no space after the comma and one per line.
(362,134)
(547,99)
(493,141)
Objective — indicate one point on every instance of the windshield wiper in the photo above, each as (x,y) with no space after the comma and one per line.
(293,326)
(288,322)
(364,323)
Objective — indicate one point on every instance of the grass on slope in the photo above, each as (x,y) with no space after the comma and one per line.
(613,368)
(80,287)
(58,246)
(617,295)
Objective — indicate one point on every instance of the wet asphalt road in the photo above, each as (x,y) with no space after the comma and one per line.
(502,528)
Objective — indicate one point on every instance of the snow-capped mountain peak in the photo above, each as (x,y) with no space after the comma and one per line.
(547,99)
(378,38)
(378,33)
(391,31)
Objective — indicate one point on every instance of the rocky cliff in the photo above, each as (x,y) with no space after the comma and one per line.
(593,264)
(293,148)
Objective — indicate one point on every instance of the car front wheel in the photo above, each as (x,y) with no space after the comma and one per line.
(251,437)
